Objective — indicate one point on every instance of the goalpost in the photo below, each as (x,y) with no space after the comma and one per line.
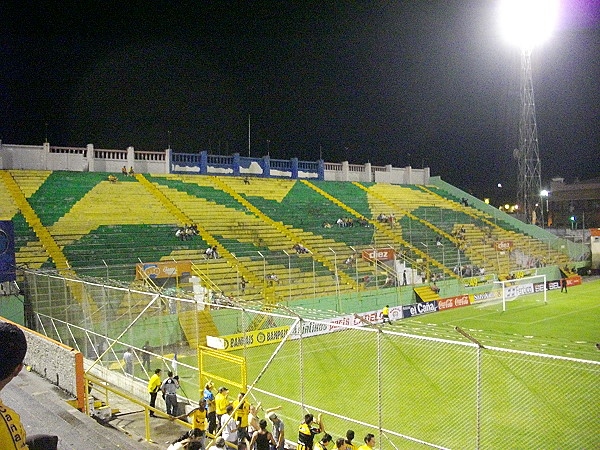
(528,289)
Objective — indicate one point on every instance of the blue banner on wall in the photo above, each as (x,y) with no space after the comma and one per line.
(417,309)
(7,251)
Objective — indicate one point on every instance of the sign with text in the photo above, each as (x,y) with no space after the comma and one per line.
(254,338)
(453,302)
(380,254)
(338,323)
(503,246)
(418,309)
(163,269)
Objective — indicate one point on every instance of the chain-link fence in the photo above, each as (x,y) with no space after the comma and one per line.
(410,391)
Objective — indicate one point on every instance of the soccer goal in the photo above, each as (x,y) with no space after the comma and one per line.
(528,290)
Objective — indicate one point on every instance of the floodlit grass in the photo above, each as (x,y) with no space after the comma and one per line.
(429,389)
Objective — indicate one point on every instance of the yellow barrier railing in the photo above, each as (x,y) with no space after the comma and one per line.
(105,387)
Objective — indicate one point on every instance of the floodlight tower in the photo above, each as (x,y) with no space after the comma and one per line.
(528,23)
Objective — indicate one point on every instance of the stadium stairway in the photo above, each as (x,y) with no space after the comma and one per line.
(238,231)
(480,250)
(46,239)
(426,294)
(243,232)
(49,244)
(168,202)
(533,247)
(294,236)
(196,325)
(392,235)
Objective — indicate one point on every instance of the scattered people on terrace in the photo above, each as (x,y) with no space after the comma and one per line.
(438,241)
(326,225)
(299,249)
(208,252)
(434,287)
(169,389)
(278,427)
(323,442)
(128,359)
(131,172)
(124,170)
(153,387)
(229,425)
(112,178)
(13,347)
(242,409)
(221,403)
(261,438)
(369,442)
(219,444)
(390,280)
(350,260)
(344,222)
(191,440)
(307,431)
(209,400)
(246,180)
(199,422)
(363,222)
(272,278)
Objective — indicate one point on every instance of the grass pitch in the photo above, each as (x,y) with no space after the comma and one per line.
(430,391)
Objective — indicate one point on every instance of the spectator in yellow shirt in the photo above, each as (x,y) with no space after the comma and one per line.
(221,403)
(241,416)
(153,388)
(13,347)
(369,442)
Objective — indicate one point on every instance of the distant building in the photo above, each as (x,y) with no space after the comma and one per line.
(580,200)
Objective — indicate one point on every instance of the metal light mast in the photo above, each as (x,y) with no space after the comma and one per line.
(527,154)
(527,23)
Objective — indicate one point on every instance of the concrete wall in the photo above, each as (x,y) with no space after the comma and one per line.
(89,158)
(56,362)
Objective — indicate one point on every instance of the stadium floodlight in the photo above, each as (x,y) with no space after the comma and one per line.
(527,23)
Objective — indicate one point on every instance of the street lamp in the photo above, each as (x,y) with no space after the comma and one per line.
(544,195)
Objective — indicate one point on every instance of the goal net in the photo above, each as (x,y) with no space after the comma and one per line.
(527,291)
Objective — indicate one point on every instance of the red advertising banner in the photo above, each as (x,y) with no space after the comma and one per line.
(503,246)
(574,281)
(453,302)
(380,254)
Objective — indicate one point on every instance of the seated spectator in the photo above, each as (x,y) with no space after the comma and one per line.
(124,170)
(208,252)
(246,180)
(272,279)
(112,178)
(131,172)
(350,260)
(438,241)
(300,249)
(215,253)
(180,234)
(326,225)
(189,233)
(434,287)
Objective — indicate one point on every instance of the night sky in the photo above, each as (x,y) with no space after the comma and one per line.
(420,83)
